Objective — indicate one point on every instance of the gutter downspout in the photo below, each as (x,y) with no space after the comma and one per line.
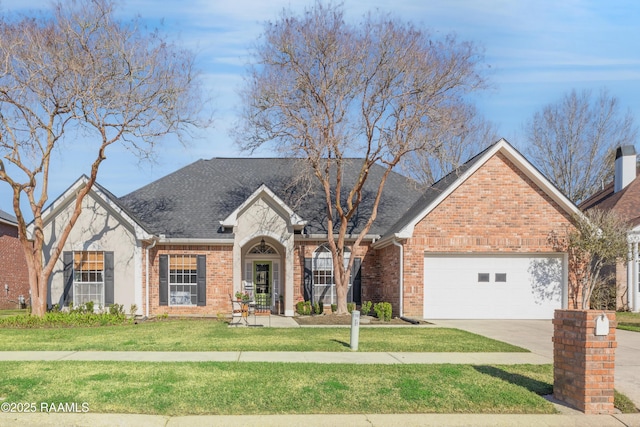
(147,275)
(401,281)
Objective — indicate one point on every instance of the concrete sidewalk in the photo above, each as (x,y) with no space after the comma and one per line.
(311,420)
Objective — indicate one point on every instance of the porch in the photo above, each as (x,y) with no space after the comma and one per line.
(269,321)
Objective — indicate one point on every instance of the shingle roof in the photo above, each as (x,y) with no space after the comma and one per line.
(625,202)
(7,217)
(190,202)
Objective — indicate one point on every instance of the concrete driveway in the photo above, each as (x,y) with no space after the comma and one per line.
(535,335)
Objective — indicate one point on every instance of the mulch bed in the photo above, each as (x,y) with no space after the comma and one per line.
(345,319)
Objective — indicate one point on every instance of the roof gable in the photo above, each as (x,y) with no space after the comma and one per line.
(403,229)
(98,192)
(264,192)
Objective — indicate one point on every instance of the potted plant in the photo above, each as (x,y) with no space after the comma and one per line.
(243,296)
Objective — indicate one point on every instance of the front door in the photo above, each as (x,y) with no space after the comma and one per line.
(263,291)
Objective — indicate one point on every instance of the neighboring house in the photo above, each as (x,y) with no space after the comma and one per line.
(474,245)
(14,278)
(623,197)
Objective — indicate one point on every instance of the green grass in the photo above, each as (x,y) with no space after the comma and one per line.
(279,388)
(628,321)
(9,313)
(214,335)
(623,403)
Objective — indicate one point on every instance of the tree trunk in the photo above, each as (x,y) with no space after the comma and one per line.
(341,294)
(37,285)
(38,281)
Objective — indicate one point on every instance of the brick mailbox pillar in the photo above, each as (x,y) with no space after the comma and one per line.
(583,362)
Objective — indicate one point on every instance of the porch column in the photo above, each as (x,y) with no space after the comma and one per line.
(630,300)
(634,279)
(288,278)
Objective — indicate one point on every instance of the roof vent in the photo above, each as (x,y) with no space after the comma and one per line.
(625,167)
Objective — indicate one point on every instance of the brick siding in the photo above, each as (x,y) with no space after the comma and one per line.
(369,275)
(622,292)
(498,209)
(584,363)
(13,268)
(219,280)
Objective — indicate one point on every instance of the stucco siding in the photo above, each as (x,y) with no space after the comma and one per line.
(98,228)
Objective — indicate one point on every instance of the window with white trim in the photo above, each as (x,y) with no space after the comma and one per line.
(183,279)
(88,278)
(324,287)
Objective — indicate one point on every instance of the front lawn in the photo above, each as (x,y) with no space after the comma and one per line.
(14,312)
(279,388)
(214,335)
(628,321)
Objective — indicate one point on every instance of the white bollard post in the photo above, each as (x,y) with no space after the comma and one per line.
(355,329)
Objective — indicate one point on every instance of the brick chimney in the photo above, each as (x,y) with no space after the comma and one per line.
(625,167)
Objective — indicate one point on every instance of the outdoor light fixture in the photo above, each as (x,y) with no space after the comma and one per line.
(263,245)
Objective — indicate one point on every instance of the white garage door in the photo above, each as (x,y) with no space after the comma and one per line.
(492,286)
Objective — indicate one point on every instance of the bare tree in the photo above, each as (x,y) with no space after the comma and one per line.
(79,71)
(599,239)
(472,134)
(322,89)
(570,141)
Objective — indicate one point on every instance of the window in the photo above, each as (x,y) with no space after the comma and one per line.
(324,287)
(88,278)
(483,277)
(501,277)
(183,279)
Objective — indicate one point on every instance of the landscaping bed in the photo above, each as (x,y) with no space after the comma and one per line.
(345,319)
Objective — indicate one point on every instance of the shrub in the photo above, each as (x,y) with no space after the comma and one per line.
(318,308)
(116,309)
(334,308)
(62,319)
(351,306)
(303,308)
(383,310)
(366,308)
(89,306)
(133,309)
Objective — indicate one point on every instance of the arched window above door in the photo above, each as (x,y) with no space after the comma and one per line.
(263,248)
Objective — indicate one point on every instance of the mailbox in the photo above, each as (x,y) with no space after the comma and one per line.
(355,329)
(602,325)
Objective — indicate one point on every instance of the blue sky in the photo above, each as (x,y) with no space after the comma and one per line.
(537,50)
